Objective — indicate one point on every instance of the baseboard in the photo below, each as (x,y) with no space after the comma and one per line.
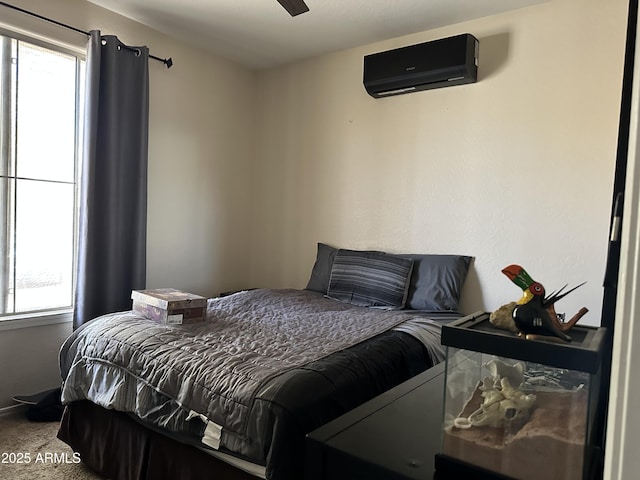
(13,409)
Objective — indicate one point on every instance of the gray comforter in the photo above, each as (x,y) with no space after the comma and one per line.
(203,378)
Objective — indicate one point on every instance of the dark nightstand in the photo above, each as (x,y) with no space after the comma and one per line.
(393,436)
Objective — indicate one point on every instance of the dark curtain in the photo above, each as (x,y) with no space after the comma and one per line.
(113,185)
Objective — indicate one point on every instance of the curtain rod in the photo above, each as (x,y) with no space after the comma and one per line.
(167,61)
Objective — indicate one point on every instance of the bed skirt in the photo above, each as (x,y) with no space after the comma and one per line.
(114,445)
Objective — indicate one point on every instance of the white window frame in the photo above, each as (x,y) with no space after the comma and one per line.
(54,315)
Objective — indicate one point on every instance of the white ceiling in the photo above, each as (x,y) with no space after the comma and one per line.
(260,33)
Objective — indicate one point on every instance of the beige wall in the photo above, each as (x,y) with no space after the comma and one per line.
(516,168)
(200,149)
(29,360)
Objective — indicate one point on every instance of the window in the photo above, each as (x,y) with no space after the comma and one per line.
(40,119)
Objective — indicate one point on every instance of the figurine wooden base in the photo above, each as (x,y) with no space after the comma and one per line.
(550,445)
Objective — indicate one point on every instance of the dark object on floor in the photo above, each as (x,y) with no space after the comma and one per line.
(44,406)
(31,399)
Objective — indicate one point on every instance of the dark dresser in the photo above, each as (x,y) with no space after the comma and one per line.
(393,436)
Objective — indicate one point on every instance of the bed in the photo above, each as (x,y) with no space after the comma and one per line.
(237,393)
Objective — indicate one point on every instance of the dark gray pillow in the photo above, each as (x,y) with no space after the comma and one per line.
(321,272)
(370,279)
(436,282)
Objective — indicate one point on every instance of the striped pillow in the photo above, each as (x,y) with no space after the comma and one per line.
(370,279)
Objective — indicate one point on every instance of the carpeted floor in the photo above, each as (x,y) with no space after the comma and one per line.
(31,451)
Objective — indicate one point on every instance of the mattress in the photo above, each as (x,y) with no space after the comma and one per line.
(267,367)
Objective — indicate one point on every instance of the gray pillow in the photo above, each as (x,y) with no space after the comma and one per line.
(321,272)
(436,282)
(370,279)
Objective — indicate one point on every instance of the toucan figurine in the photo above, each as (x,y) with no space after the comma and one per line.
(534,313)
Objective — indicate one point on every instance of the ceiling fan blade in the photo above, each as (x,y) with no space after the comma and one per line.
(294,7)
